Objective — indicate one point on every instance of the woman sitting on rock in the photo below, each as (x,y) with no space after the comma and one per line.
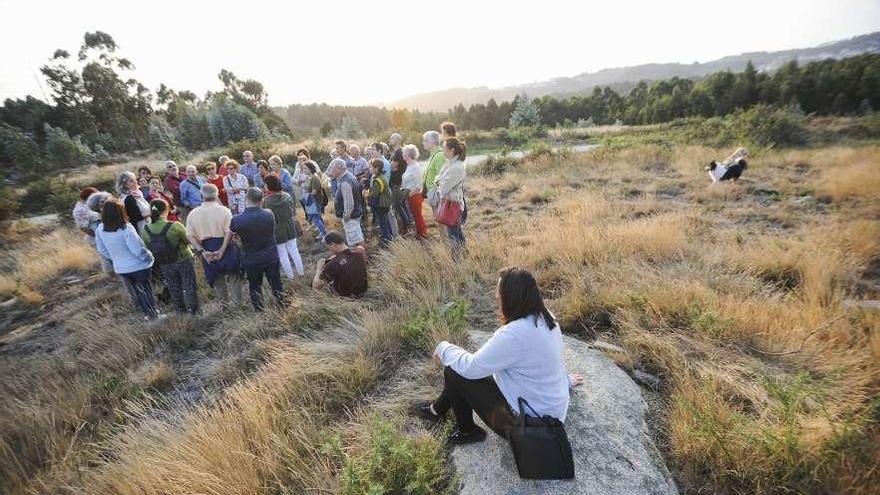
(522,359)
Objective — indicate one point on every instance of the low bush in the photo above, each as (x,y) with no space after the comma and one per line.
(8,202)
(65,151)
(18,151)
(392,461)
(765,126)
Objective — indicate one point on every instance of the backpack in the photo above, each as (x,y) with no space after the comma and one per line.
(162,250)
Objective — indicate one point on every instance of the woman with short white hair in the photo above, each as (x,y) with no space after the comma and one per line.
(411,186)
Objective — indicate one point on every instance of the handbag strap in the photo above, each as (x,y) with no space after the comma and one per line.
(522,413)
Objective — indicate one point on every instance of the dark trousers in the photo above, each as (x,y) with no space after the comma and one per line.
(142,290)
(181,280)
(468,396)
(401,207)
(255,274)
(384,224)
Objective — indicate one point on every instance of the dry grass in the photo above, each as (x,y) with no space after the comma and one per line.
(733,294)
(693,285)
(42,259)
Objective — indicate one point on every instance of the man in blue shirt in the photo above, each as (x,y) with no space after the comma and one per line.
(249,168)
(256,229)
(190,192)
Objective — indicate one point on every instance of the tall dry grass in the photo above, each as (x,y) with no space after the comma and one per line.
(42,259)
(771,380)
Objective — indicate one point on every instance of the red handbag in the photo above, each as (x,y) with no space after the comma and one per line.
(449,213)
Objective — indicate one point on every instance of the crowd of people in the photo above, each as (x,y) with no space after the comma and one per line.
(243,220)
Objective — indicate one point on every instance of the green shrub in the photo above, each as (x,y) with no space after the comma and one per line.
(417,330)
(17,150)
(765,126)
(63,150)
(165,139)
(229,121)
(393,463)
(262,149)
(495,165)
(539,149)
(50,195)
(8,202)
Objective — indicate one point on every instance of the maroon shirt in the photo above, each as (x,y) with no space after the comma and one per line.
(172,185)
(346,274)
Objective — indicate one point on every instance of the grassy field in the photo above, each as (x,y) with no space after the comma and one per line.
(742,298)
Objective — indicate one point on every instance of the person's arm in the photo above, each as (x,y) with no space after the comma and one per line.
(101,247)
(500,352)
(317,282)
(230,231)
(135,244)
(347,200)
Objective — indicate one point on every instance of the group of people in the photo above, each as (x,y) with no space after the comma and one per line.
(241,218)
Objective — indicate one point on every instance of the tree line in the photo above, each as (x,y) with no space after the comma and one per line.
(97,108)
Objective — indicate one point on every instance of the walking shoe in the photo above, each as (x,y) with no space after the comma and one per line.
(423,410)
(462,437)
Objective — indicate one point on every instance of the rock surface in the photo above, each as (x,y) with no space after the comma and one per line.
(606,427)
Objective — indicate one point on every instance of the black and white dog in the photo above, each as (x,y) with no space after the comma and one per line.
(730,169)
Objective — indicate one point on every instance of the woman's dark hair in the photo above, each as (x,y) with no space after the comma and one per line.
(157,207)
(311,166)
(86,192)
(113,215)
(519,296)
(377,163)
(458,146)
(273,182)
(263,164)
(303,151)
(448,128)
(143,168)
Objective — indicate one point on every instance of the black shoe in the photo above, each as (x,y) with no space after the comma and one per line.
(462,437)
(423,410)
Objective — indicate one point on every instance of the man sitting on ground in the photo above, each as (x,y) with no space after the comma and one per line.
(344,273)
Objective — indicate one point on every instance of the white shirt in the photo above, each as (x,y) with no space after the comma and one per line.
(236,200)
(412,177)
(526,361)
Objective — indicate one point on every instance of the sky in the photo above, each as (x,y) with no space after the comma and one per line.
(366,52)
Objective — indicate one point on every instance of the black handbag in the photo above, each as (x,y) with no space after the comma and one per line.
(540,447)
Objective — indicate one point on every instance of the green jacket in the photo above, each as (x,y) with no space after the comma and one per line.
(176,237)
(282,206)
(435,164)
(380,193)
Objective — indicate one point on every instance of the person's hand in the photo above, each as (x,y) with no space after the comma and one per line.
(437,360)
(576,379)
(321,263)
(208,256)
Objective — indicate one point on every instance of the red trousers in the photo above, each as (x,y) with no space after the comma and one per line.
(415,206)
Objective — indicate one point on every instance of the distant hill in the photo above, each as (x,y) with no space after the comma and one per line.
(624,78)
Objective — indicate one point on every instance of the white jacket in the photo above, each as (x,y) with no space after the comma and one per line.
(450,181)
(526,360)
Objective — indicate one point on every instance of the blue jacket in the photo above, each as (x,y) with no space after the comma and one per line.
(190,195)
(125,247)
(256,228)
(287,182)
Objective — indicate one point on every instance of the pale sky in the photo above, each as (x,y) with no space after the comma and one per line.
(364,52)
